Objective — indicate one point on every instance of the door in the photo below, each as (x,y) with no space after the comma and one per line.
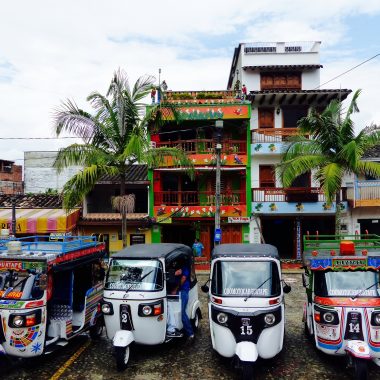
(231,234)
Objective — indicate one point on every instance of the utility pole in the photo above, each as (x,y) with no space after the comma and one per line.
(13,216)
(218,231)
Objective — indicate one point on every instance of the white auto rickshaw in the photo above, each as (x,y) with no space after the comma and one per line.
(49,293)
(246,303)
(138,296)
(342,308)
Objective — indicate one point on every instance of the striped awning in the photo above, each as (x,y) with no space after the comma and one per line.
(39,220)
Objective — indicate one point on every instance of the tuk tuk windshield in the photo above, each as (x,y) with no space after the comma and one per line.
(347,284)
(129,274)
(245,279)
(19,285)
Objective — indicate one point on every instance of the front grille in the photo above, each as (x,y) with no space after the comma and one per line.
(126,318)
(354,330)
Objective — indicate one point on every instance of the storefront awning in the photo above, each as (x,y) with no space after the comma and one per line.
(29,221)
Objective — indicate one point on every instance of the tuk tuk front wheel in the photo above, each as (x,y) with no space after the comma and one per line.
(361,368)
(246,371)
(122,357)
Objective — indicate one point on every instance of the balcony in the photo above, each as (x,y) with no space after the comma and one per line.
(364,193)
(272,135)
(205,146)
(198,198)
(294,194)
(293,200)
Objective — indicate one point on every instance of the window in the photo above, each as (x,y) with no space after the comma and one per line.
(281,81)
(137,239)
(267,176)
(266,117)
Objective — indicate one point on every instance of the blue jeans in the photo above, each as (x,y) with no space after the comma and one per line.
(185,319)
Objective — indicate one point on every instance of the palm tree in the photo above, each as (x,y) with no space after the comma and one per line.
(114,138)
(330,151)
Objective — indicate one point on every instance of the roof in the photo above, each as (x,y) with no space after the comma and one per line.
(31,201)
(135,174)
(258,250)
(169,251)
(372,153)
(284,97)
(112,216)
(282,67)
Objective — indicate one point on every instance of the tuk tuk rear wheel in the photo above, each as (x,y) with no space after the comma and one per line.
(361,369)
(97,329)
(122,357)
(246,371)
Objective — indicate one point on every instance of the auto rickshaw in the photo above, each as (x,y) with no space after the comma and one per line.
(342,308)
(246,303)
(139,297)
(49,293)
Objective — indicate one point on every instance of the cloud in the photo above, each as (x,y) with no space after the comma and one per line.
(59,50)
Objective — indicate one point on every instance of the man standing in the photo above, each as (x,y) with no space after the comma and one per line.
(184,292)
(198,248)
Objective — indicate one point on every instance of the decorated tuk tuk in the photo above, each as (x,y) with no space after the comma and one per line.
(342,308)
(49,293)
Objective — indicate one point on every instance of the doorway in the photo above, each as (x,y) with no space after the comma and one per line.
(280,233)
(183,234)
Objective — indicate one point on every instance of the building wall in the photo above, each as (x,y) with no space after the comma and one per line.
(10,178)
(40,175)
(114,234)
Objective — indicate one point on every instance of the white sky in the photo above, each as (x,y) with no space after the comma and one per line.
(54,50)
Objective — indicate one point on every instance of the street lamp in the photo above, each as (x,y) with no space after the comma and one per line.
(219,129)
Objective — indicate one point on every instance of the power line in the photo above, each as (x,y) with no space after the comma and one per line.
(347,71)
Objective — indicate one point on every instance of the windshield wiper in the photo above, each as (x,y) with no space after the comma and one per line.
(363,290)
(254,292)
(145,275)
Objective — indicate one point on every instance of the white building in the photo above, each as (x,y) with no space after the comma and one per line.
(40,174)
(282,81)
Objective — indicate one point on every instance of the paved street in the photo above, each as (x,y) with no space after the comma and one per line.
(299,360)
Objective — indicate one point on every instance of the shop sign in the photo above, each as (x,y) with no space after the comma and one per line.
(164,220)
(238,219)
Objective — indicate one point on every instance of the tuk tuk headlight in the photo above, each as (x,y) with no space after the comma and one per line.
(328,317)
(222,318)
(269,319)
(18,321)
(107,308)
(375,319)
(146,310)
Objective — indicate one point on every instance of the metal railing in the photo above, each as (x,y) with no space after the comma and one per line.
(198,198)
(364,190)
(205,146)
(268,135)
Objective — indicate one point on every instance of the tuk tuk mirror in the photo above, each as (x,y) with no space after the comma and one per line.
(205,288)
(287,288)
(42,282)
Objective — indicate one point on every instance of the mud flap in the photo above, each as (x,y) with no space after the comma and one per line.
(123,338)
(358,349)
(246,351)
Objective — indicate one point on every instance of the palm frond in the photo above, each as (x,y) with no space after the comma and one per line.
(330,177)
(369,168)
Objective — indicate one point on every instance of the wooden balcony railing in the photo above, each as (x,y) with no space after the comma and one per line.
(271,135)
(199,146)
(197,198)
(363,192)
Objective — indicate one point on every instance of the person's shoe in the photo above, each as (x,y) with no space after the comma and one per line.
(174,334)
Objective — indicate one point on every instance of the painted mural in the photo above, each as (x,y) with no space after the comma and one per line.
(209,112)
(163,213)
(210,160)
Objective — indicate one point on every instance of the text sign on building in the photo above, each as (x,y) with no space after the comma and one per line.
(238,219)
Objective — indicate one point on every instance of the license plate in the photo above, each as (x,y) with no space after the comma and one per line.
(354,326)
(125,318)
(246,327)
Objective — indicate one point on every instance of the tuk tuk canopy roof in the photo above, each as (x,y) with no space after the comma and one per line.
(255,250)
(168,251)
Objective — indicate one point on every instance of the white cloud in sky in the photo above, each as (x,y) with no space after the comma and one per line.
(51,51)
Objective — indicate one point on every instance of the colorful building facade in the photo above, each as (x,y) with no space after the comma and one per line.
(184,209)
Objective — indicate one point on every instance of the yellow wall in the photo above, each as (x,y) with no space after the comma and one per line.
(113,231)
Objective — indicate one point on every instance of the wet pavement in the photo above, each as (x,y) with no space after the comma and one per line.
(177,360)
